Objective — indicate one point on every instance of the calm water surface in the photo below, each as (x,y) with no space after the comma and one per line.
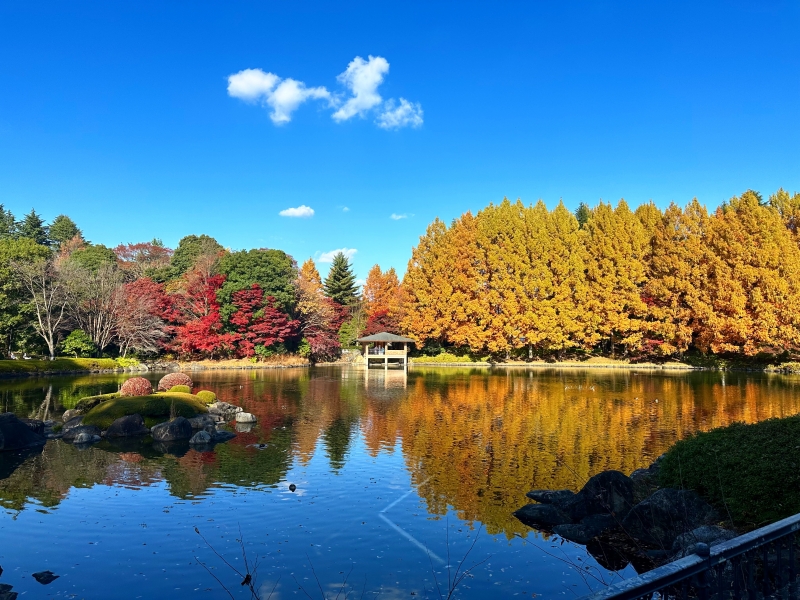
(396,478)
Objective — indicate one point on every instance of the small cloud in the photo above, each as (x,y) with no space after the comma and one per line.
(300,211)
(283,96)
(362,78)
(360,282)
(397,217)
(345,209)
(404,114)
(327,257)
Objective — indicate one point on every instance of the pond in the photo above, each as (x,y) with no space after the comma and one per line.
(396,481)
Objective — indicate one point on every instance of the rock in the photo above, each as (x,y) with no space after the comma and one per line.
(589,528)
(177,429)
(292,487)
(70,414)
(224,410)
(223,436)
(36,425)
(202,421)
(128,426)
(75,421)
(72,434)
(686,543)
(6,593)
(665,515)
(244,417)
(559,498)
(201,438)
(16,435)
(609,492)
(244,427)
(541,516)
(85,438)
(45,577)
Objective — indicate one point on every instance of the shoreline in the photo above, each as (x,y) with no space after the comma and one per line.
(568,365)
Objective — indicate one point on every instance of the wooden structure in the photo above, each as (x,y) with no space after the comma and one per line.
(379,348)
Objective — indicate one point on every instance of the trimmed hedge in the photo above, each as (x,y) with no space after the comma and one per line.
(170,380)
(207,396)
(751,472)
(136,386)
(181,389)
(154,405)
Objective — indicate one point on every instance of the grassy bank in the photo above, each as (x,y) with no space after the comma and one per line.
(750,473)
(63,365)
(272,362)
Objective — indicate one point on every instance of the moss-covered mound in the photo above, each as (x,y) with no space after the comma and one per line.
(181,389)
(152,407)
(750,472)
(86,404)
(207,396)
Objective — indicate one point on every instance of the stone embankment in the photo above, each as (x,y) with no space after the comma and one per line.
(623,519)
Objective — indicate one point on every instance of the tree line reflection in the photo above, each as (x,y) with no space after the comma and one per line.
(472,440)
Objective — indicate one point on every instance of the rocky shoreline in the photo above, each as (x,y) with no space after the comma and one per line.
(628,520)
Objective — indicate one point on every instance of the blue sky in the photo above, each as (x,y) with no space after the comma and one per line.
(123,116)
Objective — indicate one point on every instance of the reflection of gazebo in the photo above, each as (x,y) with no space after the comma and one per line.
(382,350)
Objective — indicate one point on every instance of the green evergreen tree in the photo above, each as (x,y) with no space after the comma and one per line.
(32,227)
(189,249)
(8,224)
(63,229)
(582,213)
(340,284)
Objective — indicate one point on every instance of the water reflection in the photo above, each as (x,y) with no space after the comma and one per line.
(473,440)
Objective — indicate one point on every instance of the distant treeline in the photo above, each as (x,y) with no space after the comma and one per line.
(526,280)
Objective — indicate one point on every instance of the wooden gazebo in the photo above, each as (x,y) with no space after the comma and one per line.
(381,349)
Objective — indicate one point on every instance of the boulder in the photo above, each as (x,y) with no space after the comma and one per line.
(16,435)
(36,425)
(202,421)
(85,438)
(128,426)
(70,414)
(6,593)
(73,432)
(589,528)
(177,429)
(711,535)
(559,498)
(75,421)
(541,516)
(223,436)
(244,417)
(668,513)
(609,492)
(223,409)
(201,438)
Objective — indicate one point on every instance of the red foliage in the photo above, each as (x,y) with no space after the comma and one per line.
(136,386)
(202,330)
(257,321)
(380,321)
(170,380)
(136,259)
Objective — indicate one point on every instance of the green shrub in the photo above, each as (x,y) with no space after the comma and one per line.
(78,343)
(444,357)
(124,363)
(207,396)
(751,472)
(86,404)
(181,389)
(155,405)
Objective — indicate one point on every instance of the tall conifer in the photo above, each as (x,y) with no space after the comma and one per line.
(340,284)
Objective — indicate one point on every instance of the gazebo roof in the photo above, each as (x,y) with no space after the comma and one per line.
(385,337)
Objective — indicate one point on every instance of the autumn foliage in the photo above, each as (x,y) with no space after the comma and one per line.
(136,386)
(170,380)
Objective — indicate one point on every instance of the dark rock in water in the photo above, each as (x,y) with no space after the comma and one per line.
(559,498)
(609,492)
(202,421)
(72,423)
(711,535)
(292,487)
(665,515)
(178,448)
(74,432)
(177,429)
(590,527)
(6,593)
(85,438)
(541,516)
(45,577)
(223,436)
(16,435)
(70,414)
(36,425)
(129,426)
(201,438)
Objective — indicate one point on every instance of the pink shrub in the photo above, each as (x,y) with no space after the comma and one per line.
(169,381)
(136,386)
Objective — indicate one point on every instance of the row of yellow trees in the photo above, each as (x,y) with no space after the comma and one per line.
(516,278)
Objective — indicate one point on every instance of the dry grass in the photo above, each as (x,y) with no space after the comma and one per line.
(279,360)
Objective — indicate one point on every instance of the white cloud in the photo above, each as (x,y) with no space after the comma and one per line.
(345,209)
(327,257)
(300,211)
(404,114)
(362,78)
(397,217)
(283,96)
